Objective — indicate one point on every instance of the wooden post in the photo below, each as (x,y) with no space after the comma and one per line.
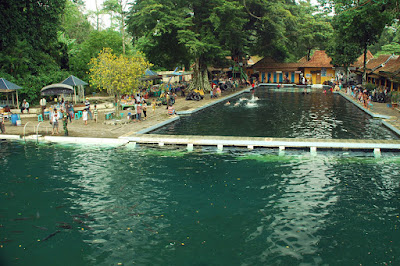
(17,98)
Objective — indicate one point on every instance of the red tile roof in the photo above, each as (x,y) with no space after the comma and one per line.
(319,59)
(269,64)
(376,62)
(360,59)
(392,66)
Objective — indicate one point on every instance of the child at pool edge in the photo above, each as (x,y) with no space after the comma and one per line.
(153,106)
(95,113)
(85,116)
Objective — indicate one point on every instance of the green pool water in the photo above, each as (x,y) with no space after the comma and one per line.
(282,113)
(145,206)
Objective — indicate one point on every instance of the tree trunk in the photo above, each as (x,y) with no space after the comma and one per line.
(122,26)
(364,77)
(97,15)
(200,77)
(117,103)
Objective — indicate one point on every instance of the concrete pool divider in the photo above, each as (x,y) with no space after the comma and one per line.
(67,140)
(251,142)
(9,137)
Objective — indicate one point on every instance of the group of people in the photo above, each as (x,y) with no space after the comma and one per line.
(139,110)
(360,94)
(64,111)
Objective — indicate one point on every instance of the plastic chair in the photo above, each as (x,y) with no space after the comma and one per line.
(122,115)
(80,114)
(76,116)
(108,116)
(40,118)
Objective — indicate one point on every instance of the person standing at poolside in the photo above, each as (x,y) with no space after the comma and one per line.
(139,112)
(43,103)
(144,108)
(70,111)
(153,106)
(87,108)
(2,127)
(54,120)
(95,113)
(85,116)
(171,110)
(65,122)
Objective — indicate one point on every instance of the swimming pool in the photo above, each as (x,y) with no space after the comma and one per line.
(110,206)
(282,114)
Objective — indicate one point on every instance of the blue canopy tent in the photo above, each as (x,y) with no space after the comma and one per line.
(8,86)
(74,82)
(150,75)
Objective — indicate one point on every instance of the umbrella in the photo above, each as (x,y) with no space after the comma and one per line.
(7,85)
(73,81)
(57,89)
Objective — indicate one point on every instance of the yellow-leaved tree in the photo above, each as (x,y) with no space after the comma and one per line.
(118,75)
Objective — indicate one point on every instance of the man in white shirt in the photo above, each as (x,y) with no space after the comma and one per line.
(24,106)
(43,103)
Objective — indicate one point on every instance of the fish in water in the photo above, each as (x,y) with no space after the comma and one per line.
(22,218)
(64,225)
(78,221)
(51,235)
(40,227)
(134,206)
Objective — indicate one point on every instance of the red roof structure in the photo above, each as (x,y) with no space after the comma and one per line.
(319,59)
(360,59)
(268,64)
(377,62)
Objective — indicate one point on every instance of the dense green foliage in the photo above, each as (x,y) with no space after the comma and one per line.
(29,51)
(358,25)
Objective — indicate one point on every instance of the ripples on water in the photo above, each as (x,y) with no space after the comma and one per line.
(282,114)
(170,207)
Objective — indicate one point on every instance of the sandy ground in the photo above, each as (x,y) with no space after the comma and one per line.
(100,129)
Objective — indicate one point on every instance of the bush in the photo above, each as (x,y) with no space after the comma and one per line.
(394,96)
(370,87)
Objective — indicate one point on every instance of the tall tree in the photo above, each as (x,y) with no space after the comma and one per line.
(117,74)
(94,44)
(118,7)
(75,24)
(359,22)
(179,32)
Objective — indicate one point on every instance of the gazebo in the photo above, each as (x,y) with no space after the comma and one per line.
(76,82)
(7,86)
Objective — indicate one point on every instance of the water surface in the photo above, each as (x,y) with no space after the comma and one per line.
(171,207)
(282,113)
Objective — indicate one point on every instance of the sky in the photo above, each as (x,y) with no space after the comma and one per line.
(91,5)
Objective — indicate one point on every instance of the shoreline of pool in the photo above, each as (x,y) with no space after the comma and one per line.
(249,142)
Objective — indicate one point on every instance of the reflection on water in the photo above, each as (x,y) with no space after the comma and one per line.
(282,114)
(170,207)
